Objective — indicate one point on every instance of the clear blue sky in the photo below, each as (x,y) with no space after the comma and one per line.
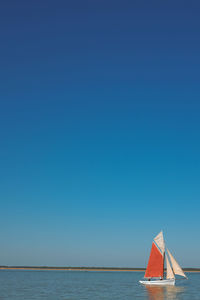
(99,131)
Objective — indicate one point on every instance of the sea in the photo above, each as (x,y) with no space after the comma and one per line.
(93,285)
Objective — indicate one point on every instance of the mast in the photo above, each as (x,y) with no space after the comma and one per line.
(163,263)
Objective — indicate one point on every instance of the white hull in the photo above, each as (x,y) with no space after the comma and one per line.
(158,282)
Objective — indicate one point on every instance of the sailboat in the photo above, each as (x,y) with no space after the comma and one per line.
(155,267)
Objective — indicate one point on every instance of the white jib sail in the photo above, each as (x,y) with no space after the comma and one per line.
(176,268)
(160,242)
(170,273)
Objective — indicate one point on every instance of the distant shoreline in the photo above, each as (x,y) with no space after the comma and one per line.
(100,269)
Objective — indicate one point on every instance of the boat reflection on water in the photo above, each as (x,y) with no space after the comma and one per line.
(163,292)
(155,292)
(173,291)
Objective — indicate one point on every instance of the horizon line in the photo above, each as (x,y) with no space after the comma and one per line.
(3,267)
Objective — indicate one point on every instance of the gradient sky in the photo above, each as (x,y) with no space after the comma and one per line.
(99,131)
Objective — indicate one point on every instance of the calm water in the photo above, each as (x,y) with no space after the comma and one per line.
(90,285)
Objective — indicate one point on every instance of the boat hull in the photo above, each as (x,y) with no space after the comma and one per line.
(158,282)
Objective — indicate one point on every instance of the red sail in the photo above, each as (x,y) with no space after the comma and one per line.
(155,267)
